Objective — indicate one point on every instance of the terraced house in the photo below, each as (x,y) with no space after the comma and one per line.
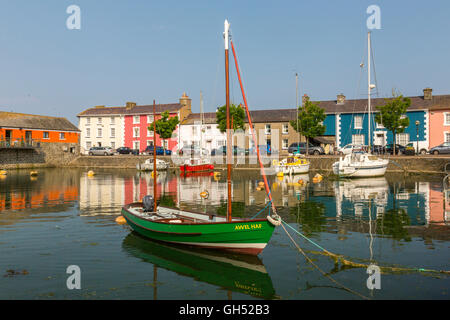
(127,126)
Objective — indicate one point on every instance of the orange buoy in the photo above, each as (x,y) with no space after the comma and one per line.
(261,184)
(121,220)
(204,194)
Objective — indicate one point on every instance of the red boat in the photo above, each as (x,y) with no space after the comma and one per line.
(196,165)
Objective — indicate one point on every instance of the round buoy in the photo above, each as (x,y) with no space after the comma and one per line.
(204,194)
(280,174)
(3,173)
(91,173)
(261,184)
(33,173)
(121,220)
(300,182)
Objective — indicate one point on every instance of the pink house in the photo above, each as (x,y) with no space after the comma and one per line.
(137,119)
(439,119)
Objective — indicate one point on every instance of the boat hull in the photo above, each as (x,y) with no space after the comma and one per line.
(196,168)
(294,169)
(243,236)
(360,171)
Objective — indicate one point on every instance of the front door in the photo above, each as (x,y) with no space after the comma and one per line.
(28,137)
(380,139)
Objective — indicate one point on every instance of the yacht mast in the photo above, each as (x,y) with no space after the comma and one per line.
(369,85)
(227,98)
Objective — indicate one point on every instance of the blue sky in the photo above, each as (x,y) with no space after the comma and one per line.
(140,50)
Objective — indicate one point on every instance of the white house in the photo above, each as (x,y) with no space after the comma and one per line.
(101,127)
(192,131)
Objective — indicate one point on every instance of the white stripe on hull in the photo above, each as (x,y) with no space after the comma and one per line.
(225,245)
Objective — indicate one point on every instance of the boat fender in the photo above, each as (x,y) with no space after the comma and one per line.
(275,220)
(275,162)
(148,203)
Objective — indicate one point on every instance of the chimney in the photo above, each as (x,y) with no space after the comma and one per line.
(427,94)
(340,99)
(99,107)
(130,105)
(185,101)
(304,99)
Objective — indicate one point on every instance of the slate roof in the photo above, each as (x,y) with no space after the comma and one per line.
(144,109)
(31,121)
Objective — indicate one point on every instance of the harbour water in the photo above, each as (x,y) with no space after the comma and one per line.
(62,217)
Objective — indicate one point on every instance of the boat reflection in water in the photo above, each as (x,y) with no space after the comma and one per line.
(237,273)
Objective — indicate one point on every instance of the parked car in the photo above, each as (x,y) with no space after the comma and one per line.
(297,147)
(192,150)
(410,149)
(159,151)
(101,151)
(349,148)
(441,149)
(399,149)
(124,150)
(378,149)
(263,149)
(223,151)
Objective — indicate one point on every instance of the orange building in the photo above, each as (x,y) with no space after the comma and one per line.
(19,129)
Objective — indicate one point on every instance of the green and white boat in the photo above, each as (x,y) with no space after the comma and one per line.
(249,236)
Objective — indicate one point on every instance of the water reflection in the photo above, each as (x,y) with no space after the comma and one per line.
(244,274)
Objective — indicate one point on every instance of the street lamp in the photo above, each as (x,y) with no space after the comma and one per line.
(417,135)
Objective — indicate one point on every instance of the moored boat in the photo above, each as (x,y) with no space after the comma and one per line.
(293,164)
(196,165)
(148,165)
(359,165)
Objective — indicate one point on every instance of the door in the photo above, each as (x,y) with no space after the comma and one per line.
(8,137)
(380,139)
(28,137)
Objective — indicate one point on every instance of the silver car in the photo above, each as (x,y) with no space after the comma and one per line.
(101,151)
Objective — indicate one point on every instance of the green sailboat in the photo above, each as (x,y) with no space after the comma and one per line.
(249,236)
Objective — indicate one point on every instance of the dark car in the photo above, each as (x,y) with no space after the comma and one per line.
(399,149)
(297,147)
(159,151)
(441,149)
(223,151)
(124,150)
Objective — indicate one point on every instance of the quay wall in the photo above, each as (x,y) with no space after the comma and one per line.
(406,164)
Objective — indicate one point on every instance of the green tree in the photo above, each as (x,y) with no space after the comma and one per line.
(391,115)
(310,118)
(237,117)
(165,126)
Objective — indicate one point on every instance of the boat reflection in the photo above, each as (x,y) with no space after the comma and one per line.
(243,274)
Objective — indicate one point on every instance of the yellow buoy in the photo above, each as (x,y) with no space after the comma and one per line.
(153,174)
(33,173)
(204,194)
(280,174)
(261,184)
(3,173)
(91,173)
(121,220)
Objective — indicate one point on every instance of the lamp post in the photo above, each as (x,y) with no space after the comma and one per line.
(417,136)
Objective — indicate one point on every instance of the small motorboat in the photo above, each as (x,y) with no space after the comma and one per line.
(360,164)
(148,165)
(293,164)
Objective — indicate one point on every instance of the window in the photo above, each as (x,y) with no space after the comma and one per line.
(88,132)
(88,144)
(99,120)
(136,132)
(358,139)
(62,136)
(113,132)
(149,142)
(402,139)
(358,122)
(45,135)
(379,126)
(220,143)
(149,119)
(113,120)
(88,121)
(194,130)
(285,143)
(446,118)
(285,128)
(136,145)
(149,133)
(99,132)
(136,119)
(166,144)
(113,144)
(447,137)
(267,131)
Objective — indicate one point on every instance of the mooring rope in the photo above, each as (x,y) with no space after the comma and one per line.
(346,262)
(320,270)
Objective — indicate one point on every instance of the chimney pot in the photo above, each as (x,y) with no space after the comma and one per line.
(340,99)
(130,105)
(427,94)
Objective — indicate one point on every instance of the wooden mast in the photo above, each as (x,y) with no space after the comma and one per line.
(154,155)
(229,138)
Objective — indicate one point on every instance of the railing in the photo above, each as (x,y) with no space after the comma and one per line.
(17,143)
